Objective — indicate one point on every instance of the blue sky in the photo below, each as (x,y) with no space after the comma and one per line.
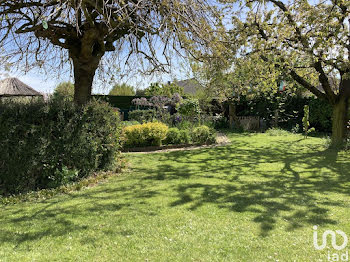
(46,82)
(37,80)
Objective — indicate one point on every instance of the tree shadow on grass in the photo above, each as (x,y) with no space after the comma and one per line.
(64,216)
(271,182)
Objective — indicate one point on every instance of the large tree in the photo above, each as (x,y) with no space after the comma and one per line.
(308,40)
(39,32)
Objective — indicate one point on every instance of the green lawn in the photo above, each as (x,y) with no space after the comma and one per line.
(254,200)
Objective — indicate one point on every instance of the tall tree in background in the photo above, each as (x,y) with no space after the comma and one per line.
(122,90)
(169,89)
(64,90)
(51,31)
(309,41)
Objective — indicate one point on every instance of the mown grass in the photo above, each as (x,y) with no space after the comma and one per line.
(254,200)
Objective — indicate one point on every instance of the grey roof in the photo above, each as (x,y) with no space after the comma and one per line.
(14,87)
(190,86)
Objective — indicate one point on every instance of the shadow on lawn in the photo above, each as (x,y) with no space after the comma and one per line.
(293,187)
(74,213)
(272,183)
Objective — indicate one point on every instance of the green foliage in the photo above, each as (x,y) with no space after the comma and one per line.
(142,116)
(320,115)
(185,137)
(173,136)
(155,89)
(49,193)
(64,90)
(295,129)
(170,89)
(122,90)
(184,125)
(176,136)
(190,109)
(147,134)
(189,197)
(129,123)
(220,121)
(54,143)
(306,123)
(203,135)
(290,108)
(140,92)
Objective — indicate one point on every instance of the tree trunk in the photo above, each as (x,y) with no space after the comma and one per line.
(86,55)
(339,121)
(84,72)
(233,121)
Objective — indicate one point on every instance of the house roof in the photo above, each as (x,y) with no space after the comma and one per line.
(190,86)
(14,87)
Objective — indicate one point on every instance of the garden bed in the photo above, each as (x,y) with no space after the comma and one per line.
(221,139)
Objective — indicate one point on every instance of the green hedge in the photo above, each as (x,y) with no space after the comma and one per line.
(46,145)
(142,116)
(290,110)
(147,134)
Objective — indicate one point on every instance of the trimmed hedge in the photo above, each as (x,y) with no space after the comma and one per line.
(290,109)
(44,145)
(147,134)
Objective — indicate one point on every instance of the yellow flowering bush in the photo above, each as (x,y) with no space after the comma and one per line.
(147,134)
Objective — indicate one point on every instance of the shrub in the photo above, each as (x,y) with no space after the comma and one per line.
(177,137)
(142,116)
(129,123)
(173,136)
(147,134)
(184,125)
(45,145)
(203,135)
(185,136)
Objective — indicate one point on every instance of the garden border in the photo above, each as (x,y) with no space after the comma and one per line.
(222,140)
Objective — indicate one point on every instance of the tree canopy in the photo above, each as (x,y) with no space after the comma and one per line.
(307,41)
(35,33)
(169,89)
(64,90)
(122,90)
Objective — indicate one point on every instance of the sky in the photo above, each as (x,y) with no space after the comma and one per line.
(46,83)
(37,80)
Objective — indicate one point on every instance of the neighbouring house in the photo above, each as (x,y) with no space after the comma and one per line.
(13,87)
(191,86)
